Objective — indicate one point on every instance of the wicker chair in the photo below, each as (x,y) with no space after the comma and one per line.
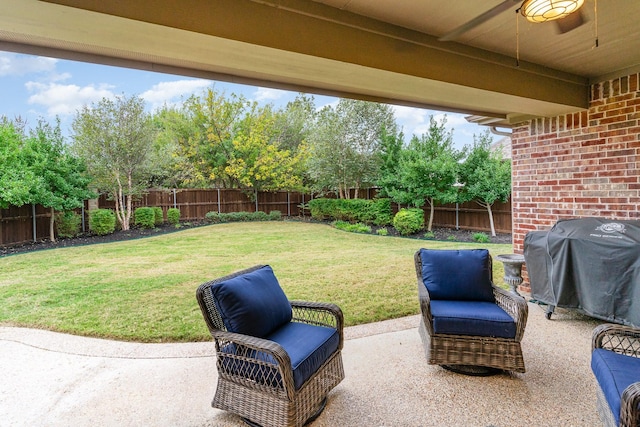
(615,361)
(459,305)
(277,359)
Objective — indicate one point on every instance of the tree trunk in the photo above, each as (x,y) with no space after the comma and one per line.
(431,212)
(493,228)
(52,234)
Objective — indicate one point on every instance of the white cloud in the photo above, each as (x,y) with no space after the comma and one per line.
(12,64)
(170,92)
(64,100)
(266,94)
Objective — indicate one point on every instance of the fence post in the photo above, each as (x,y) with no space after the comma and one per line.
(219,211)
(174,198)
(288,205)
(33,217)
(256,194)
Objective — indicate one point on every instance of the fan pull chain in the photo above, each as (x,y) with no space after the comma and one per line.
(595,10)
(517,39)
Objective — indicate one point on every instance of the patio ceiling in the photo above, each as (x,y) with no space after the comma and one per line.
(377,50)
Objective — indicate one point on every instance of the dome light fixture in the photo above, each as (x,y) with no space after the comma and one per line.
(548,10)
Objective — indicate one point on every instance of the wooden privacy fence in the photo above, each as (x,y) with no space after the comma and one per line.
(31,222)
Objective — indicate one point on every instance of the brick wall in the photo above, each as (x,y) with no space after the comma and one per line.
(579,165)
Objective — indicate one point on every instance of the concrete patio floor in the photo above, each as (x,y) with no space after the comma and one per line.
(52,379)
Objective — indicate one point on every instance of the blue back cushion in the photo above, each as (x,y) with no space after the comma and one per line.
(253,303)
(459,275)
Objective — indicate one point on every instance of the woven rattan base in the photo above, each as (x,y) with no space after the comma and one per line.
(267,409)
(491,353)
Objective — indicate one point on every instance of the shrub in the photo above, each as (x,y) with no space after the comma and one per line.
(409,221)
(382,231)
(452,238)
(429,235)
(376,211)
(159,216)
(68,224)
(144,217)
(275,215)
(217,217)
(353,228)
(173,216)
(102,221)
(481,238)
(260,216)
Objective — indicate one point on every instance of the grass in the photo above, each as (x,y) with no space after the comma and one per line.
(144,290)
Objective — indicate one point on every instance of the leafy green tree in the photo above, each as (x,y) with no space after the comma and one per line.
(391,147)
(173,127)
(486,175)
(115,138)
(206,147)
(62,183)
(257,162)
(346,143)
(15,178)
(428,170)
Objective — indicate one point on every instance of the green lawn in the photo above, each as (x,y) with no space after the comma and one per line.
(144,290)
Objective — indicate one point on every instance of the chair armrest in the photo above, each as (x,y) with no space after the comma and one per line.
(619,338)
(425,306)
(629,406)
(319,314)
(515,306)
(258,353)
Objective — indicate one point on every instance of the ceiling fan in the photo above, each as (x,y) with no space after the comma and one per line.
(566,14)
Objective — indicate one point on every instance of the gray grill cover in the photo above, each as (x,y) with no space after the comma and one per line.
(590,264)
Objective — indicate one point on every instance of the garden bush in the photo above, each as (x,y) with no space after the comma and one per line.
(144,217)
(102,221)
(377,211)
(173,216)
(216,217)
(68,224)
(409,221)
(353,228)
(159,216)
(481,238)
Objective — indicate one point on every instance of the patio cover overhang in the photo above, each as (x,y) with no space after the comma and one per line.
(296,45)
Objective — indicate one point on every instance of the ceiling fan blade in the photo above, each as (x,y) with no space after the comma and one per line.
(494,11)
(570,22)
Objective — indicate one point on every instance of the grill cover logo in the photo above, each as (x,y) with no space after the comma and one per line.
(612,227)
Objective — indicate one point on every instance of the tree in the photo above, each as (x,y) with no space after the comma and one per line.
(15,178)
(346,143)
(257,161)
(486,175)
(115,139)
(391,147)
(207,146)
(428,170)
(62,183)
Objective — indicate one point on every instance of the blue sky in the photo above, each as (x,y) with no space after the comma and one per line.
(32,87)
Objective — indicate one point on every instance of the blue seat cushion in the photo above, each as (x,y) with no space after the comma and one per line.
(477,318)
(308,347)
(614,372)
(462,275)
(253,303)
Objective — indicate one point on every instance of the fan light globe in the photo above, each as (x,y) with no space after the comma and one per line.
(548,10)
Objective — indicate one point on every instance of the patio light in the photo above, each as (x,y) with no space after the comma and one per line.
(548,10)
